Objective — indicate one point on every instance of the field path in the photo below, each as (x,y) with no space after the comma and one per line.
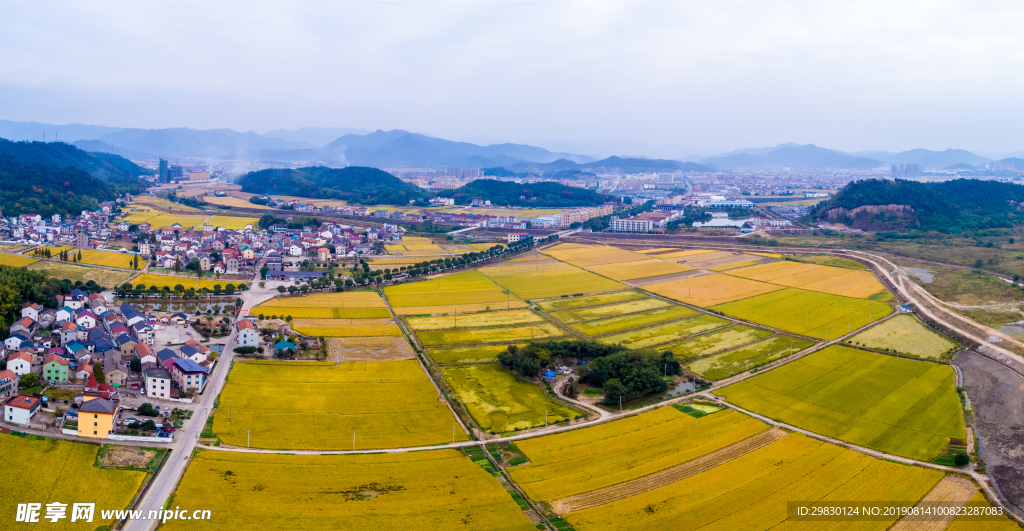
(951,491)
(667,476)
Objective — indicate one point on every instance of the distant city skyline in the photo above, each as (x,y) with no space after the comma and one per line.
(654,79)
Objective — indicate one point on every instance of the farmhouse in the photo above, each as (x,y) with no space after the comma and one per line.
(20,409)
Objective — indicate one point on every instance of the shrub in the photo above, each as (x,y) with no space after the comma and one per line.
(961,459)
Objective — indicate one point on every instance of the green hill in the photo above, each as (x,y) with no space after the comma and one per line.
(27,188)
(355,184)
(104,166)
(545,194)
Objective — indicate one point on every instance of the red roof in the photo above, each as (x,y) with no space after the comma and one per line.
(7,373)
(245,323)
(142,350)
(56,358)
(19,356)
(23,402)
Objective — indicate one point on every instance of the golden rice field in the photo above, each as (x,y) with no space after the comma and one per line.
(162,203)
(452,308)
(964,523)
(684,254)
(469,287)
(342,322)
(322,313)
(751,492)
(713,342)
(812,277)
(507,317)
(349,331)
(161,220)
(347,299)
(588,459)
(906,335)
(234,202)
(387,404)
(709,290)
(547,279)
(834,261)
(733,362)
(110,259)
(16,260)
(807,312)
(616,309)
(436,490)
(769,255)
(55,250)
(490,335)
(501,402)
(589,300)
(664,333)
(730,267)
(61,270)
(61,471)
(895,405)
(532,256)
(470,354)
(635,320)
(161,281)
(231,222)
(657,250)
(639,269)
(486,246)
(593,255)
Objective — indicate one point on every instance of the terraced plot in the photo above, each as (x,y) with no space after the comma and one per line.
(639,269)
(896,405)
(471,354)
(496,334)
(590,300)
(635,320)
(665,333)
(471,320)
(709,290)
(751,492)
(731,363)
(468,287)
(710,343)
(592,458)
(807,312)
(501,402)
(387,404)
(436,490)
(597,312)
(544,280)
(906,335)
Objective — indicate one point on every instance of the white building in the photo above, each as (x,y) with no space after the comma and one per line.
(19,363)
(630,225)
(248,336)
(20,409)
(158,382)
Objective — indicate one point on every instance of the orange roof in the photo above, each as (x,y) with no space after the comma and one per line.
(56,358)
(143,350)
(20,356)
(8,374)
(246,324)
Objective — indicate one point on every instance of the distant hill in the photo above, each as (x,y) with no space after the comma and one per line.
(315,136)
(620,164)
(950,207)
(806,156)
(34,131)
(543,194)
(927,158)
(33,188)
(212,143)
(99,146)
(356,184)
(105,166)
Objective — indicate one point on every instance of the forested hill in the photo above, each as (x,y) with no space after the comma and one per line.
(106,166)
(27,188)
(355,184)
(546,194)
(951,207)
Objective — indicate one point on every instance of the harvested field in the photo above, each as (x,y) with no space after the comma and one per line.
(128,456)
(585,460)
(368,349)
(664,333)
(16,260)
(710,290)
(906,335)
(469,287)
(473,354)
(657,250)
(544,280)
(726,364)
(107,278)
(667,476)
(751,491)
(594,255)
(438,490)
(952,491)
(499,401)
(590,300)
(895,405)
(684,254)
(635,320)
(499,334)
(640,269)
(471,320)
(621,308)
(807,312)
(461,308)
(727,338)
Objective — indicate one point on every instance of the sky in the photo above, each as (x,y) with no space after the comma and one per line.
(643,78)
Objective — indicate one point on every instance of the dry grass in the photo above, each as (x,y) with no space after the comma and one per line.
(128,456)
(709,290)
(61,270)
(341,349)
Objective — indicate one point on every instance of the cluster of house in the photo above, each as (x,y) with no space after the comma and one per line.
(469,219)
(221,250)
(56,229)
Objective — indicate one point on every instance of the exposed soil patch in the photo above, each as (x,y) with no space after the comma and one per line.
(128,456)
(997,395)
(341,349)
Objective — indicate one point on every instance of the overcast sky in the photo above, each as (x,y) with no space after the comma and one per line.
(657,78)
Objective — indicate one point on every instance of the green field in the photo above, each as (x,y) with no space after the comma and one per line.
(900,406)
(543,280)
(634,320)
(490,335)
(664,333)
(705,344)
(468,287)
(834,261)
(807,312)
(597,312)
(473,354)
(590,300)
(501,402)
(726,364)
(905,335)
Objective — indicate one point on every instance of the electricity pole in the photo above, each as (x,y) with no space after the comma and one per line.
(247,438)
(620,404)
